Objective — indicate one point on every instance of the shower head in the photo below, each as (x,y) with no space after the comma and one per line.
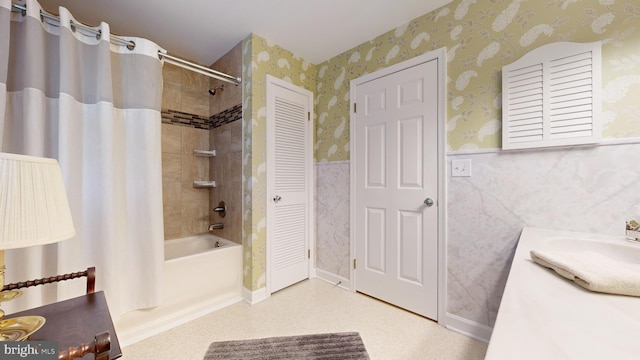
(213,91)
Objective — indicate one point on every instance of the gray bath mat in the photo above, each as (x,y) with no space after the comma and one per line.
(304,347)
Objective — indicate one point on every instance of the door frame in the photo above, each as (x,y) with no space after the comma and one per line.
(272,81)
(440,56)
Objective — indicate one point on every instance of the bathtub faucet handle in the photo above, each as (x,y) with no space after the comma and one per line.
(221,209)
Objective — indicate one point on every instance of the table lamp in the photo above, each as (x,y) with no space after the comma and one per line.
(34,210)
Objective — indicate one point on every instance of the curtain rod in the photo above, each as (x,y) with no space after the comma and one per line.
(131,45)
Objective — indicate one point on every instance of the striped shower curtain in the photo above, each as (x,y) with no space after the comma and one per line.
(94,106)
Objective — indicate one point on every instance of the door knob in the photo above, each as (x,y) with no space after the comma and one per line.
(428,202)
(277,198)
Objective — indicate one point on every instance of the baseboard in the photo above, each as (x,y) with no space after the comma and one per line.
(254,297)
(132,333)
(334,279)
(467,327)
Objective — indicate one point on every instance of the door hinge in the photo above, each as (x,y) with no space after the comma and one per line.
(354,108)
(309,253)
(309,116)
(354,263)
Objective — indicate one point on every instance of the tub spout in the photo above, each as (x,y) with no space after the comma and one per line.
(216,226)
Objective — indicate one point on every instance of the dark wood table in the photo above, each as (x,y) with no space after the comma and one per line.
(75,321)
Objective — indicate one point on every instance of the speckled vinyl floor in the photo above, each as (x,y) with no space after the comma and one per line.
(313,306)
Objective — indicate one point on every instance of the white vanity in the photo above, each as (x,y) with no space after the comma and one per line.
(545,316)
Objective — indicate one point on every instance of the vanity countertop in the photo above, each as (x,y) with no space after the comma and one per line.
(544,316)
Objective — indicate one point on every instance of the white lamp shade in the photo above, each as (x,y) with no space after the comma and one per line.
(34,209)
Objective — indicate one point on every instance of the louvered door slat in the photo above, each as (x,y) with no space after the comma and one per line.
(290,129)
(290,228)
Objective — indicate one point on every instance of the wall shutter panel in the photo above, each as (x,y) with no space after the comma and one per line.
(551,97)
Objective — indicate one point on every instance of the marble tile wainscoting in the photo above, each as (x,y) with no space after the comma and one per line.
(332,222)
(587,189)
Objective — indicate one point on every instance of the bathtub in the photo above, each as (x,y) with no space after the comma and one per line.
(202,274)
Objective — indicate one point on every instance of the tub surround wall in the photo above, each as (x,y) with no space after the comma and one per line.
(226,169)
(230,63)
(185,91)
(185,117)
(187,106)
(226,138)
(186,209)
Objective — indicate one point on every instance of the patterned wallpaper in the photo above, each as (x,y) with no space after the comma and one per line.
(259,59)
(480,37)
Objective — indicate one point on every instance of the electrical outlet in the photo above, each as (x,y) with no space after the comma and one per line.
(461,168)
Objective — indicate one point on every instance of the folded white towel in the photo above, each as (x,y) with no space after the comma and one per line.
(592,271)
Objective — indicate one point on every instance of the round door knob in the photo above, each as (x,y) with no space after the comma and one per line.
(428,202)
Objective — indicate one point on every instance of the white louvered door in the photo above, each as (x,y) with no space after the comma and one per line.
(289,161)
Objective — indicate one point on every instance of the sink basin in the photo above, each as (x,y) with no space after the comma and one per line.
(619,250)
(543,316)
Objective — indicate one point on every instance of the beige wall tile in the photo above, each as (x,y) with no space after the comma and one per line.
(227,171)
(171,74)
(236,135)
(171,139)
(172,214)
(171,167)
(173,224)
(188,211)
(195,101)
(230,63)
(194,197)
(195,168)
(195,221)
(194,80)
(194,139)
(172,96)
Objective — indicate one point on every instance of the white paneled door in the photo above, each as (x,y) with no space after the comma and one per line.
(396,187)
(290,185)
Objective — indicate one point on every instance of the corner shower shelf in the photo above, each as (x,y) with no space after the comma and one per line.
(204,184)
(207,153)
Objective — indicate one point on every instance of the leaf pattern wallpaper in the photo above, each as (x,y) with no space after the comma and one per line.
(480,37)
(259,59)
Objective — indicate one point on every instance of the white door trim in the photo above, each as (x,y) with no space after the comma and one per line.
(440,56)
(272,81)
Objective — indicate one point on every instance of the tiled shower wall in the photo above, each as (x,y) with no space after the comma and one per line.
(226,138)
(226,169)
(187,125)
(186,209)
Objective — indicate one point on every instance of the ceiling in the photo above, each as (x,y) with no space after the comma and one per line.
(204,30)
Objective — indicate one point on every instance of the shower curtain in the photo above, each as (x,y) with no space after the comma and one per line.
(94,106)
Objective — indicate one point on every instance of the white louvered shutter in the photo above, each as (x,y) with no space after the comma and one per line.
(551,97)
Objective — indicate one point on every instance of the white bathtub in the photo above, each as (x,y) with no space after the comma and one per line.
(202,274)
